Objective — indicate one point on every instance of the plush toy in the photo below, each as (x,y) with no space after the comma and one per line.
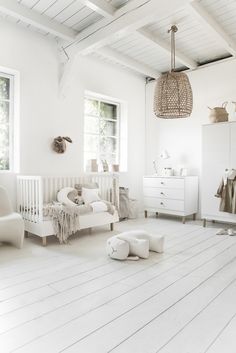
(136,243)
(59,143)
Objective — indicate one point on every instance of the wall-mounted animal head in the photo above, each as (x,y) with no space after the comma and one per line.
(59,144)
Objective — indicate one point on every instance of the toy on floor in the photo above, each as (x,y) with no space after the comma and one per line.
(133,245)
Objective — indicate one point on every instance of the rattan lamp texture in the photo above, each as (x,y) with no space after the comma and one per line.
(173,96)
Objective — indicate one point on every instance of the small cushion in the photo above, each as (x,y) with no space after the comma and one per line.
(62,196)
(90,195)
(79,187)
(117,249)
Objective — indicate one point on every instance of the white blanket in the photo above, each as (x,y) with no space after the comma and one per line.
(99,206)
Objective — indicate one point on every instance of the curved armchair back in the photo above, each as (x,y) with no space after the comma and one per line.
(5,204)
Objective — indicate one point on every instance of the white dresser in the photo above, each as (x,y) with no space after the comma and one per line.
(174,195)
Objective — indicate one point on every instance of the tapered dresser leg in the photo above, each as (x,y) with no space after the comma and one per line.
(44,241)
(204,223)
(183,220)
(112,227)
(157,214)
(145,214)
(26,234)
(194,216)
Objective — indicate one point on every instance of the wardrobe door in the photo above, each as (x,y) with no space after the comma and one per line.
(215,159)
(233,145)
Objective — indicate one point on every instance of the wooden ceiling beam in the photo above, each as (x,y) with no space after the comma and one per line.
(14,9)
(128,62)
(102,7)
(213,26)
(126,20)
(160,43)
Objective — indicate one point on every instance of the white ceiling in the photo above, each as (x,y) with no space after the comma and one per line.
(133,33)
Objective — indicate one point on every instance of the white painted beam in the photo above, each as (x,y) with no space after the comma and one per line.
(211,24)
(102,7)
(125,21)
(160,43)
(128,62)
(23,13)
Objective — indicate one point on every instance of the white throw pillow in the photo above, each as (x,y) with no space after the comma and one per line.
(90,195)
(62,196)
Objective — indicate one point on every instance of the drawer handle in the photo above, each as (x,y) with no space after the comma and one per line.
(162,193)
(162,183)
(162,203)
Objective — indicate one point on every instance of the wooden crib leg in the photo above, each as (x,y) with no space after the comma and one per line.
(112,227)
(44,241)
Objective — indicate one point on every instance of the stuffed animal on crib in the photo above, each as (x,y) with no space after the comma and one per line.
(59,144)
(132,245)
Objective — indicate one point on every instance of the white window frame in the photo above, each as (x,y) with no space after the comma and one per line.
(109,100)
(14,150)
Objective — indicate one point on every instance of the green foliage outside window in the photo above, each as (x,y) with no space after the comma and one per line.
(4,123)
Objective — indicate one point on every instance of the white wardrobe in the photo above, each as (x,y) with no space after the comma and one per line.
(218,154)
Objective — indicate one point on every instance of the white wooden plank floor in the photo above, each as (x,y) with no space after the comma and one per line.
(72,298)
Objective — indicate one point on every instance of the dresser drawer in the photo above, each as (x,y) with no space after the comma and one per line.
(166,204)
(176,183)
(164,193)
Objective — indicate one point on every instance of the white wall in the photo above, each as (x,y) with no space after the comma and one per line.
(182,137)
(44,114)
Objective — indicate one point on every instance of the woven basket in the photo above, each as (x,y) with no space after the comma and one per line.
(173,96)
(218,114)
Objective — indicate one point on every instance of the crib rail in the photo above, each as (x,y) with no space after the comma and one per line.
(35,191)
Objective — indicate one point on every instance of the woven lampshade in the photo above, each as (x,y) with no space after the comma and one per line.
(173,96)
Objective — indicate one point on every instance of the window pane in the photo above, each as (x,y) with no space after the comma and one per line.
(4,147)
(110,158)
(108,146)
(91,143)
(108,128)
(4,88)
(91,107)
(4,112)
(91,124)
(108,110)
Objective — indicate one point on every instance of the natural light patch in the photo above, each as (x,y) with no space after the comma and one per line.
(5,123)
(101,127)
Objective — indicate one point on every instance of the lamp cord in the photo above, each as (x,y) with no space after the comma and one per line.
(173,30)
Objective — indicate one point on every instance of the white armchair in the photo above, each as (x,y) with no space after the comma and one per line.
(11,223)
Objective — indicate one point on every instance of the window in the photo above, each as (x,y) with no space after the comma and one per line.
(6,123)
(101,130)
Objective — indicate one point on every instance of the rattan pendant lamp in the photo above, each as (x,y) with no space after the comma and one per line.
(173,97)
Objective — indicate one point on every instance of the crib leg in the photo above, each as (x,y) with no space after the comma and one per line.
(44,241)
(112,227)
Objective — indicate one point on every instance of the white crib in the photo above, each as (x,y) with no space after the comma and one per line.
(33,192)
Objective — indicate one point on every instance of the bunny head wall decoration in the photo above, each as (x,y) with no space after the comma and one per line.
(59,144)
